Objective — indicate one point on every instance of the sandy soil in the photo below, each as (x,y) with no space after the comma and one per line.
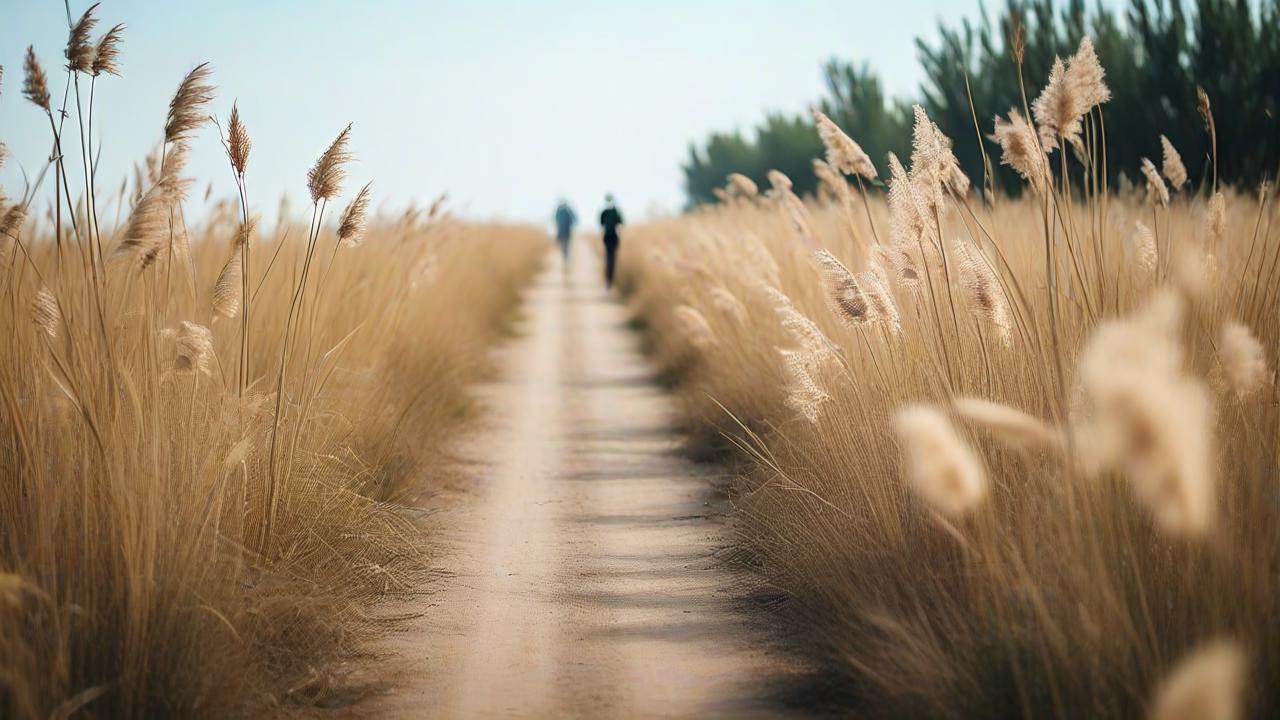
(582,577)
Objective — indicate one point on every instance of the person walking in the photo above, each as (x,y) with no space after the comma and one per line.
(566,219)
(610,219)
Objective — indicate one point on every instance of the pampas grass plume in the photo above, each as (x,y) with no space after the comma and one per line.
(940,466)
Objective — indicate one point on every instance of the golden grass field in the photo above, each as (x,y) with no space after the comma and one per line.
(208,430)
(997,454)
(1005,458)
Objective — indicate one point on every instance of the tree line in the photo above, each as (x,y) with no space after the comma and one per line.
(1155,52)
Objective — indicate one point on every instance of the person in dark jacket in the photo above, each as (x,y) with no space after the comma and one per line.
(610,219)
(565,220)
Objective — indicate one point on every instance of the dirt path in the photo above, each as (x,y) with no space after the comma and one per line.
(583,577)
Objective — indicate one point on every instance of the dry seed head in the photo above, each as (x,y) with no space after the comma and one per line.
(1152,421)
(906,212)
(779,181)
(238,142)
(831,180)
(1172,165)
(324,180)
(80,51)
(1008,425)
(740,185)
(696,328)
(843,153)
(187,108)
(195,347)
(1207,684)
(940,466)
(1074,89)
(804,395)
(149,220)
(1244,362)
(11,220)
(45,312)
(846,299)
(107,55)
(1020,149)
(726,302)
(1156,189)
(351,228)
(1146,256)
(934,167)
(35,87)
(808,335)
(227,289)
(986,293)
(1202,106)
(875,288)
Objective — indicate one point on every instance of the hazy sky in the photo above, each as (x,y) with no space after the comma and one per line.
(504,104)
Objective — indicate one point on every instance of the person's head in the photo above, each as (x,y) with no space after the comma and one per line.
(608,199)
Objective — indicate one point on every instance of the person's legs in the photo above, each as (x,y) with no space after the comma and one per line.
(564,249)
(610,260)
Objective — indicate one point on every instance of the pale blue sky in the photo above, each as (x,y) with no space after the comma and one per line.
(504,104)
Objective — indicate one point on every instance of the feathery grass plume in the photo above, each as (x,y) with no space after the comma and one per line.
(846,299)
(939,466)
(720,195)
(843,153)
(696,328)
(80,50)
(45,312)
(106,55)
(1203,107)
(908,219)
(726,302)
(800,222)
(1145,255)
(1156,189)
(1010,426)
(1074,88)
(4,154)
(11,220)
(900,262)
(227,289)
(1020,150)
(352,226)
(1244,362)
(187,108)
(35,87)
(830,180)
(1215,219)
(195,348)
(1152,421)
(324,179)
(875,288)
(740,185)
(1207,684)
(934,167)
(779,181)
(804,395)
(1171,164)
(238,142)
(149,221)
(803,330)
(986,292)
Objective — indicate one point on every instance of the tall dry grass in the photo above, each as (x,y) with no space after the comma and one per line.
(211,431)
(1004,457)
